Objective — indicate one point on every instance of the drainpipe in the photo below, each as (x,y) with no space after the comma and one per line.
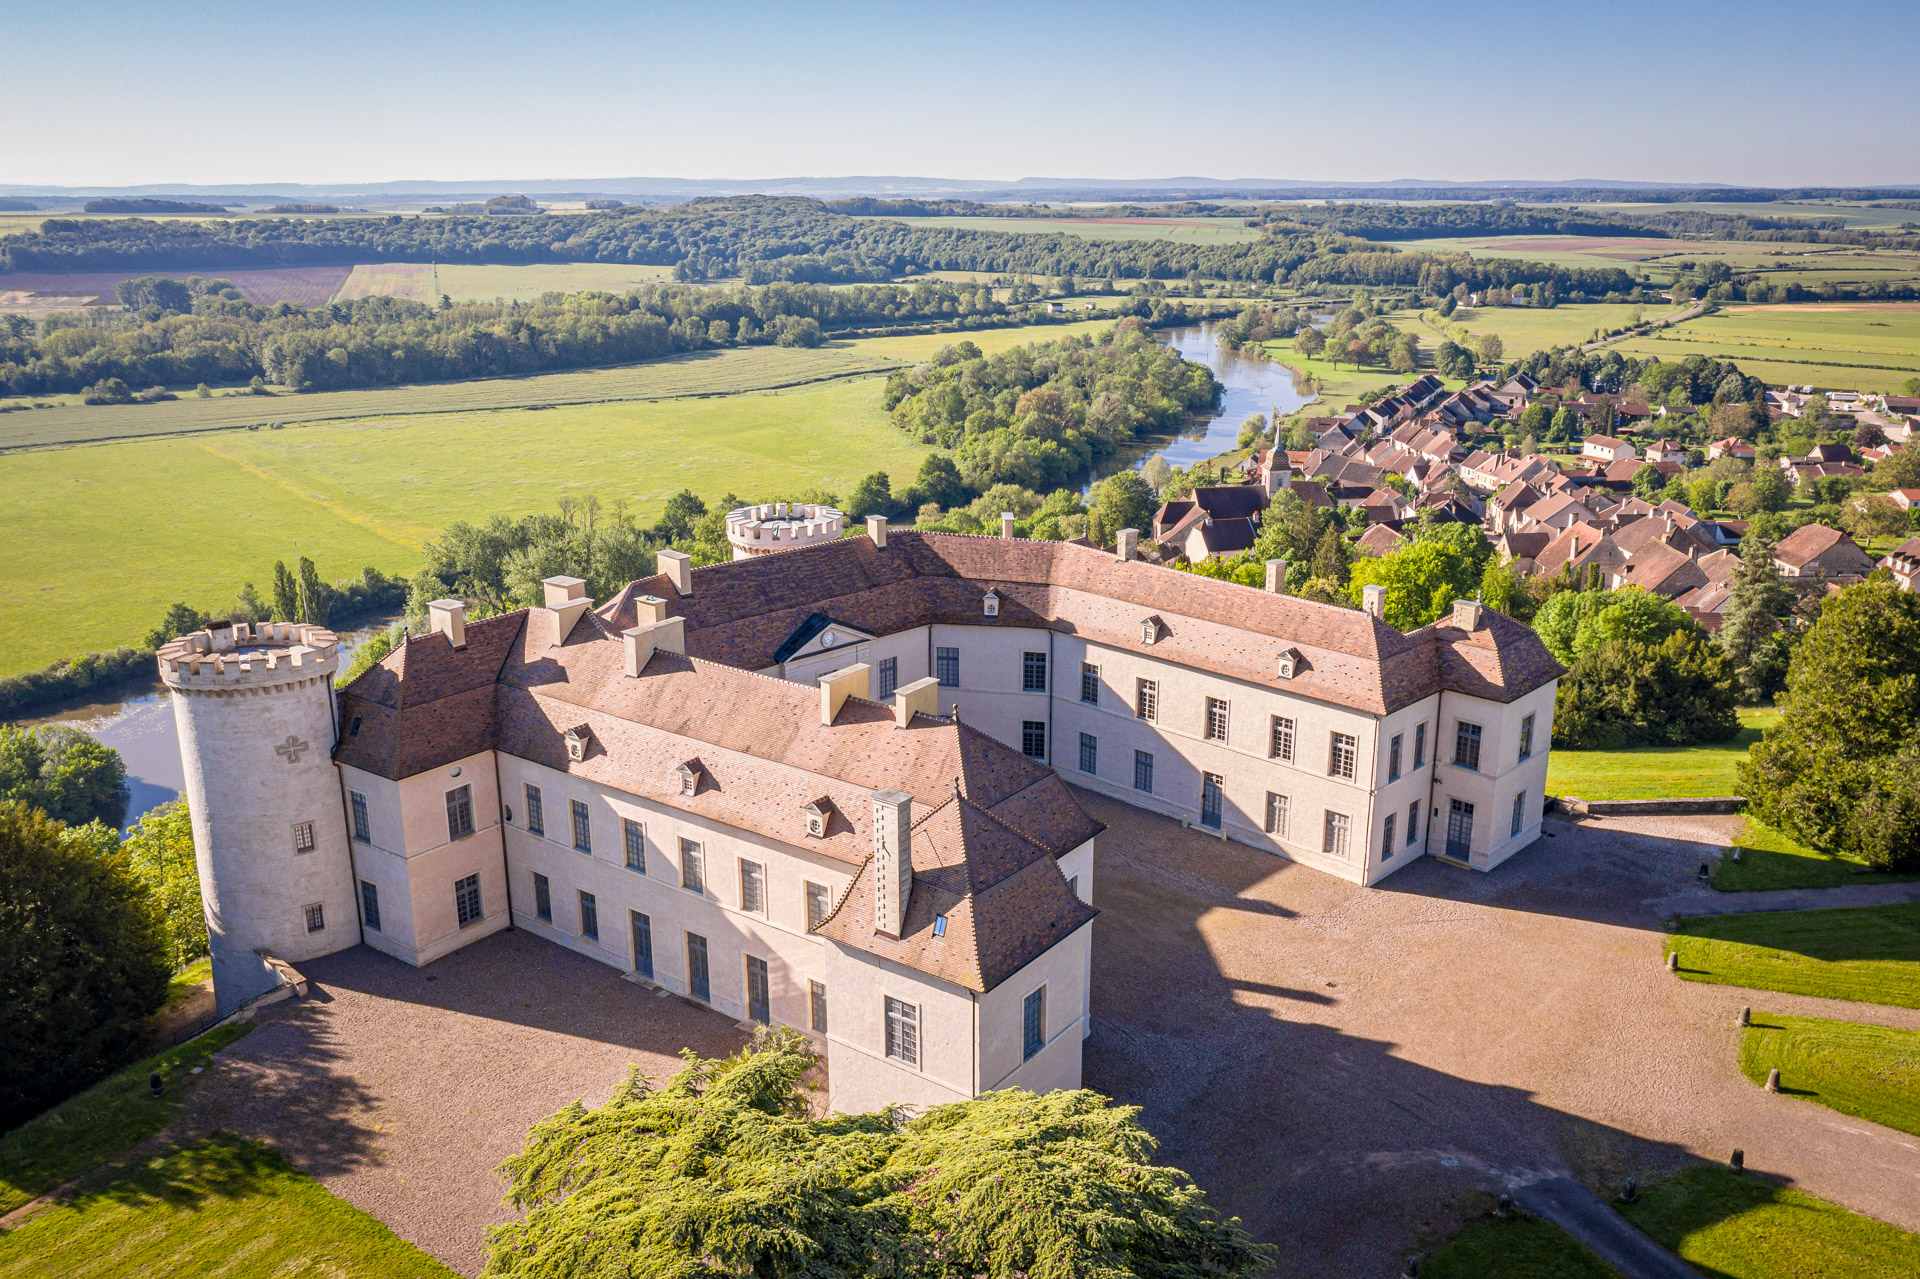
(500,804)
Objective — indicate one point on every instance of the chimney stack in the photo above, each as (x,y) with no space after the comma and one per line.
(449,618)
(922,697)
(837,686)
(1006,524)
(1466,614)
(877,530)
(678,567)
(668,635)
(1276,577)
(1125,542)
(648,609)
(1375,600)
(566,600)
(892,860)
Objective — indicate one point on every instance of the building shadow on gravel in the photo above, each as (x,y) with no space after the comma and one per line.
(1327,1144)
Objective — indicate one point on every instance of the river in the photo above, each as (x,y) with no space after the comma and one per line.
(141,728)
(1252,386)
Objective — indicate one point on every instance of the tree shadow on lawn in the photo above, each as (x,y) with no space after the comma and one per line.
(1836,934)
(1327,1143)
(220,1165)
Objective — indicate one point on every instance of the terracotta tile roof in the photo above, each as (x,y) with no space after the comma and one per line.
(1379,539)
(1003,898)
(1661,569)
(1810,542)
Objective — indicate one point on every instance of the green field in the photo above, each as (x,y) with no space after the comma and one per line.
(1516,1247)
(1869,1072)
(220,1206)
(1864,346)
(1854,215)
(1735,1225)
(1657,772)
(463,282)
(1865,953)
(1770,859)
(1179,230)
(1525,329)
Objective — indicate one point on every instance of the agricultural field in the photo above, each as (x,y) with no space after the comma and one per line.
(463,282)
(1853,346)
(43,291)
(1524,328)
(1179,230)
(1854,215)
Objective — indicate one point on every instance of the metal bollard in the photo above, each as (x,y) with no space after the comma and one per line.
(1739,1161)
(154,1082)
(1632,1192)
(1773,1080)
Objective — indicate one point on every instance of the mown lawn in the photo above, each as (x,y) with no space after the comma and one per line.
(1516,1247)
(220,1206)
(1739,1226)
(101,1123)
(1869,1072)
(1657,772)
(1769,859)
(1866,953)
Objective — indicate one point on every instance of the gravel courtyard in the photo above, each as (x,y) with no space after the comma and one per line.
(1342,1067)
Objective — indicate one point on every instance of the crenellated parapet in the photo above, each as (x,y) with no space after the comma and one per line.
(245,659)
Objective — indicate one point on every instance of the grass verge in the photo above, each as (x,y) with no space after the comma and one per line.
(101,1123)
(1769,860)
(1516,1247)
(1740,1226)
(1866,953)
(1869,1072)
(1657,772)
(220,1206)
(186,983)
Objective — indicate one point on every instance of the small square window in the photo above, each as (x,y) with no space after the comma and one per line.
(303,837)
(316,918)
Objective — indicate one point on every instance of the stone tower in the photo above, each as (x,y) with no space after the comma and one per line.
(255,710)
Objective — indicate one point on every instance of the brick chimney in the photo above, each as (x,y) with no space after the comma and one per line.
(1125,543)
(678,567)
(1374,599)
(877,530)
(1277,577)
(837,686)
(449,618)
(892,860)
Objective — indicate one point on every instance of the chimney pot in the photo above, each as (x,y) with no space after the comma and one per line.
(1277,577)
(648,609)
(877,530)
(449,618)
(1126,542)
(1376,601)
(678,566)
(1006,524)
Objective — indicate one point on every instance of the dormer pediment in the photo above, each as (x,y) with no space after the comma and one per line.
(1290,664)
(818,814)
(990,603)
(1152,628)
(687,776)
(579,740)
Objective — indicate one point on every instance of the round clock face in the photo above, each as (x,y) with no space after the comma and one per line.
(828,639)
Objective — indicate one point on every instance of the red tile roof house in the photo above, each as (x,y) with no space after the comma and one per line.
(1905,499)
(1816,550)
(1904,563)
(1731,447)
(823,787)
(1606,447)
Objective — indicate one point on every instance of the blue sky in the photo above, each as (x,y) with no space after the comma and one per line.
(119,92)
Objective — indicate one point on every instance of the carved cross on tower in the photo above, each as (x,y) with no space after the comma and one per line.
(291,749)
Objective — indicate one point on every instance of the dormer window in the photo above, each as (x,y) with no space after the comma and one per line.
(1289,663)
(1150,629)
(816,815)
(939,925)
(689,776)
(991,604)
(578,739)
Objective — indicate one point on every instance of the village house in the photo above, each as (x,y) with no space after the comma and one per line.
(1606,448)
(1904,563)
(1816,550)
(1731,447)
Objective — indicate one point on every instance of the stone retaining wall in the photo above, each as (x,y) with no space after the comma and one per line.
(1652,807)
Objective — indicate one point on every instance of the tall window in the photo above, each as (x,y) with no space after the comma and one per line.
(1334,842)
(582,826)
(1526,738)
(1386,840)
(466,900)
(1211,794)
(370,904)
(1282,745)
(542,898)
(818,904)
(753,887)
(699,983)
(1277,812)
(1089,684)
(1216,720)
(817,1007)
(536,812)
(692,877)
(1143,772)
(1033,738)
(1466,745)
(362,827)
(903,1032)
(1033,672)
(1089,753)
(1033,1024)
(1146,700)
(303,837)
(1519,813)
(1413,821)
(889,677)
(946,667)
(642,929)
(759,1001)
(316,918)
(1419,747)
(589,917)
(1340,756)
(1393,759)
(460,812)
(634,836)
